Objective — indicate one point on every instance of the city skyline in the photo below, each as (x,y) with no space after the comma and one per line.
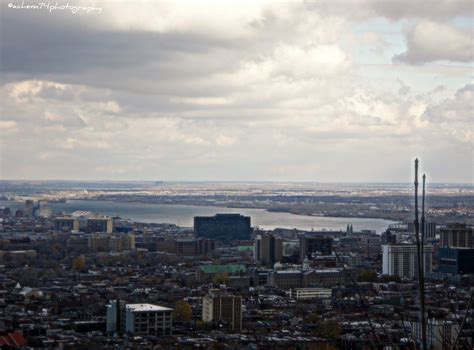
(329,92)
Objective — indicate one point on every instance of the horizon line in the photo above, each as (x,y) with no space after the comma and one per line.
(228,181)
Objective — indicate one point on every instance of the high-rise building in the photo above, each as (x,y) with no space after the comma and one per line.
(29,209)
(222,308)
(310,245)
(456,261)
(111,242)
(223,227)
(401,260)
(99,224)
(268,249)
(438,333)
(138,319)
(429,229)
(457,235)
(205,246)
(65,224)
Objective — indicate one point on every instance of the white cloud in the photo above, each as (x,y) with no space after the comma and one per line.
(221,91)
(430,41)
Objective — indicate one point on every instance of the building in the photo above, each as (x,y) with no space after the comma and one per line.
(401,260)
(429,229)
(116,242)
(438,333)
(314,245)
(43,210)
(456,261)
(29,209)
(286,279)
(185,247)
(268,249)
(194,247)
(138,319)
(65,224)
(223,227)
(99,224)
(220,308)
(311,293)
(293,279)
(388,237)
(206,273)
(457,236)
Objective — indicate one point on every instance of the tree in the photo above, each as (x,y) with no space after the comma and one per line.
(182,311)
(368,276)
(312,318)
(79,263)
(221,278)
(329,329)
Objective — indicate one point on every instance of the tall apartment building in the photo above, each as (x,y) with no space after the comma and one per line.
(99,224)
(429,229)
(311,244)
(106,242)
(401,260)
(438,333)
(223,227)
(222,308)
(138,319)
(194,247)
(186,247)
(457,235)
(65,224)
(268,249)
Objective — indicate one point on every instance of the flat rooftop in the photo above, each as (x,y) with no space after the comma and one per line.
(146,307)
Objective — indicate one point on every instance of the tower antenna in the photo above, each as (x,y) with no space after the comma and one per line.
(420,262)
(422,265)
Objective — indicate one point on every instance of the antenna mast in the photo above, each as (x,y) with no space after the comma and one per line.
(422,266)
(420,261)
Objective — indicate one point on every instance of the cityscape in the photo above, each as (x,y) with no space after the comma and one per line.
(233,175)
(75,279)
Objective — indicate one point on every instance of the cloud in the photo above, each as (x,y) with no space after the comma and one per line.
(431,41)
(7,125)
(217,91)
(454,116)
(404,89)
(459,108)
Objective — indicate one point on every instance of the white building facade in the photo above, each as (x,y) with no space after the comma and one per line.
(139,319)
(401,260)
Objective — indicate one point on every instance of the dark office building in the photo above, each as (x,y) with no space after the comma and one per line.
(457,235)
(457,261)
(310,245)
(223,227)
(268,249)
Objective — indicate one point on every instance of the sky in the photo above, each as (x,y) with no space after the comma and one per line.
(325,91)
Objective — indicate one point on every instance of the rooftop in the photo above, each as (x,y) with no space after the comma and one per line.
(146,307)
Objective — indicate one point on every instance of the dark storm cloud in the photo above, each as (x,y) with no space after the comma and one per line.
(45,45)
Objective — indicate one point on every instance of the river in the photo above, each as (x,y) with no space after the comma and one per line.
(183,215)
